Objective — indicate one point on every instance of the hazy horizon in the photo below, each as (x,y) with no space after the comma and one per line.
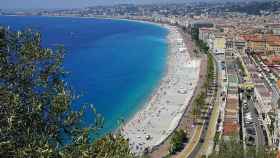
(56,4)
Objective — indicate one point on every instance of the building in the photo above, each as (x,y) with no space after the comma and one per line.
(231,115)
(260,43)
(204,34)
(231,118)
(240,44)
(276,97)
(200,24)
(272,60)
(264,98)
(255,42)
(217,43)
(272,43)
(275,28)
(229,43)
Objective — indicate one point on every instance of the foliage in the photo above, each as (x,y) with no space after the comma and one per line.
(177,141)
(199,101)
(167,156)
(260,152)
(216,138)
(241,66)
(229,149)
(195,33)
(110,146)
(232,148)
(271,126)
(36,119)
(195,112)
(199,43)
(203,46)
(210,70)
(198,105)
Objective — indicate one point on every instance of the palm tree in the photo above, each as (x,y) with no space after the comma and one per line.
(195,113)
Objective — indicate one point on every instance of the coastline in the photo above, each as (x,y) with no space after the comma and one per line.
(161,114)
(140,106)
(106,18)
(165,106)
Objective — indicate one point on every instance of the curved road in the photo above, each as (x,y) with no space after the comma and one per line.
(198,147)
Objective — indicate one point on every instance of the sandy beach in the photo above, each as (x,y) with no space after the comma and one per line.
(160,115)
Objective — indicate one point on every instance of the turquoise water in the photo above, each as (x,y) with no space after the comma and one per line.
(113,64)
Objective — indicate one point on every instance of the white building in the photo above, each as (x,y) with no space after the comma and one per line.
(217,43)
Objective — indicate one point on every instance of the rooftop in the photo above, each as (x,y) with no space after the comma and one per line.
(262,89)
(230,128)
(271,39)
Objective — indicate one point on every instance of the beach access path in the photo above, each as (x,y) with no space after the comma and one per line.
(162,113)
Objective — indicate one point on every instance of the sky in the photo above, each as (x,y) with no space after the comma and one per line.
(27,4)
(31,4)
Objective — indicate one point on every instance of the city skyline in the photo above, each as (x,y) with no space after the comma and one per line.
(54,4)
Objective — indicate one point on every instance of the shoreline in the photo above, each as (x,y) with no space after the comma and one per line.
(106,18)
(146,129)
(169,103)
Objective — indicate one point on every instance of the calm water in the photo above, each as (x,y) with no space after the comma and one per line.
(114,64)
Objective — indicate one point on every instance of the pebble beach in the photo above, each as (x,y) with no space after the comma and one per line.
(161,114)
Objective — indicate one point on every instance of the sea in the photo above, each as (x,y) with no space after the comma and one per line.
(115,65)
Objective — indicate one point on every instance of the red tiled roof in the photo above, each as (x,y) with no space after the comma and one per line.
(275,58)
(272,60)
(274,43)
(230,128)
(232,104)
(230,113)
(254,38)
(271,39)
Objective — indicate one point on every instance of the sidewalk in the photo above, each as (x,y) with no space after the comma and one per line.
(208,144)
(192,143)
